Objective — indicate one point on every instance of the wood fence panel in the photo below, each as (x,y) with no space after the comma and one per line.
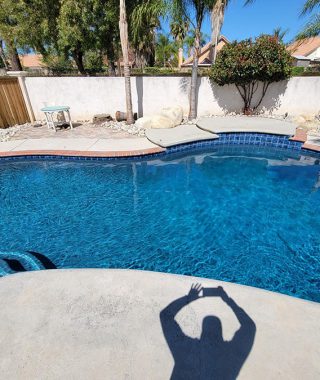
(13,109)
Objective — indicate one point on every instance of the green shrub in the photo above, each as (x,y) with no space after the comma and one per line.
(248,62)
(297,71)
(93,62)
(59,65)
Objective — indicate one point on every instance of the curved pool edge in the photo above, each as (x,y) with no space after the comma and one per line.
(81,154)
(239,138)
(103,322)
(227,138)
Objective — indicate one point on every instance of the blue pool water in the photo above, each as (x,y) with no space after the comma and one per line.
(243,214)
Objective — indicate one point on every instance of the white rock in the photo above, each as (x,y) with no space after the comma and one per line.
(173,113)
(155,122)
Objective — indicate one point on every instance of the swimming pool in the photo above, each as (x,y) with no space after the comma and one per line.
(245,214)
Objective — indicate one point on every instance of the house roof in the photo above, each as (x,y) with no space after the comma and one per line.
(305,47)
(204,58)
(31,60)
(301,57)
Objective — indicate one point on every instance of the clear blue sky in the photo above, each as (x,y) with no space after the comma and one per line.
(263,16)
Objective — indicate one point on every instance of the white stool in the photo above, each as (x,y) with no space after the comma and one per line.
(49,112)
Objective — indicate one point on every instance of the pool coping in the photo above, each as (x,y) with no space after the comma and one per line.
(299,137)
(82,153)
(228,138)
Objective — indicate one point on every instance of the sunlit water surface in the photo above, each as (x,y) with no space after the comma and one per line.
(247,215)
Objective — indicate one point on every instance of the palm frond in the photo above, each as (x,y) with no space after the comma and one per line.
(309,6)
(312,29)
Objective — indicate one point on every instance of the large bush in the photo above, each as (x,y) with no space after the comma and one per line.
(247,63)
(93,62)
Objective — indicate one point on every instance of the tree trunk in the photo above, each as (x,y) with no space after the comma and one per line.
(217,18)
(14,58)
(77,55)
(119,71)
(111,69)
(111,59)
(123,26)
(180,57)
(194,76)
(3,56)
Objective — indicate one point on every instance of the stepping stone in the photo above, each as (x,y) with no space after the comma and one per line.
(178,135)
(229,124)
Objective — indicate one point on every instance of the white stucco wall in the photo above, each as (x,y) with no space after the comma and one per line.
(315,54)
(91,95)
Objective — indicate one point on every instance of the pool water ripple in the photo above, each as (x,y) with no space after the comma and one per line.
(251,218)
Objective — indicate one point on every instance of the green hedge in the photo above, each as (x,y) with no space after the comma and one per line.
(306,71)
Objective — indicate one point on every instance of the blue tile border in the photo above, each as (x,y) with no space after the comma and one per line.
(225,140)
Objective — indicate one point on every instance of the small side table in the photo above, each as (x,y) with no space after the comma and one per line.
(49,112)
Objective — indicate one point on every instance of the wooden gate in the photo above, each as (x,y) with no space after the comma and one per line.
(13,109)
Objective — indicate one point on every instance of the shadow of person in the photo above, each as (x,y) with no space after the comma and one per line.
(209,357)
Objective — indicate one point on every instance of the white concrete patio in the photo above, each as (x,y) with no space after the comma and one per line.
(77,144)
(105,324)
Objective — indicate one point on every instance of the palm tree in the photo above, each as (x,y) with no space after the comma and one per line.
(123,27)
(179,30)
(312,29)
(280,33)
(217,18)
(166,50)
(194,12)
(310,5)
(144,20)
(189,41)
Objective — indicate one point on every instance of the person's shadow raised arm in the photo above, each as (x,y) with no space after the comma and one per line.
(171,329)
(242,341)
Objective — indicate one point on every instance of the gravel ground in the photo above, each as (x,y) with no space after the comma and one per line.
(110,129)
(119,130)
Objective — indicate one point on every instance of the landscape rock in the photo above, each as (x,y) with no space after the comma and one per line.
(173,113)
(155,122)
(101,118)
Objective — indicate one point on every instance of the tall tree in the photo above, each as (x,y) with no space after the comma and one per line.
(144,20)
(10,14)
(123,27)
(194,12)
(28,24)
(179,30)
(217,18)
(166,51)
(75,29)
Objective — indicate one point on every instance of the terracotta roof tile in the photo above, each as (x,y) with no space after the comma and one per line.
(305,47)
(31,60)
(205,51)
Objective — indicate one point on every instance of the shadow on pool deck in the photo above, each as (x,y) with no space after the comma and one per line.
(209,357)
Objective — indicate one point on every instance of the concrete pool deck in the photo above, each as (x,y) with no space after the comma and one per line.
(105,324)
(181,134)
(79,147)
(157,140)
(252,124)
